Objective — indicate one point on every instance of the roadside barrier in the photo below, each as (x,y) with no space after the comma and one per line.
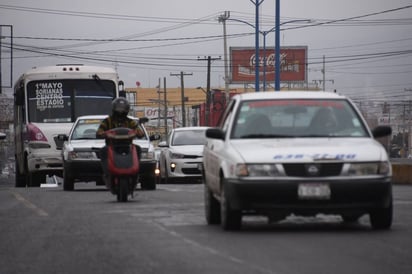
(402,173)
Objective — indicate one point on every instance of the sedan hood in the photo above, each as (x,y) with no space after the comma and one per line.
(188,150)
(309,149)
(87,144)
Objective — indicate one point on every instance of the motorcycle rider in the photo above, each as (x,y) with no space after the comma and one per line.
(118,118)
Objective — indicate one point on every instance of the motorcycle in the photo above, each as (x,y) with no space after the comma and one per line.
(122,163)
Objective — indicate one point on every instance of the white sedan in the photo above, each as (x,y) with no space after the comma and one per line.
(182,154)
(303,153)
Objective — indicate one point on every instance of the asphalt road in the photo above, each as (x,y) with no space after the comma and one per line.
(48,230)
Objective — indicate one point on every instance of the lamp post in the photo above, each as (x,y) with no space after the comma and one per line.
(223,19)
(257,63)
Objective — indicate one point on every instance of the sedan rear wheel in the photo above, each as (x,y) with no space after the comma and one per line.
(68,181)
(148,182)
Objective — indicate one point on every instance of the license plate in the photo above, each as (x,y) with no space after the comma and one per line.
(319,191)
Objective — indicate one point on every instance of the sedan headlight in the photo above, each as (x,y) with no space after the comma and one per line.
(176,155)
(257,170)
(363,169)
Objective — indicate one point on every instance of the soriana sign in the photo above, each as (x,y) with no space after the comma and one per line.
(293,62)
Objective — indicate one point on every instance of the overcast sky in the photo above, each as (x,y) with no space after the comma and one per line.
(370,56)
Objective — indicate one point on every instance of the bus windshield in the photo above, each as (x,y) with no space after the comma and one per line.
(63,100)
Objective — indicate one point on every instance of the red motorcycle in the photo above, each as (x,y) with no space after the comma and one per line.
(122,162)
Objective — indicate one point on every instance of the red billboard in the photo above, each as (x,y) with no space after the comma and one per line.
(293,62)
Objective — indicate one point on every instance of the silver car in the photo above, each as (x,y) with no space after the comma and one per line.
(80,152)
(182,154)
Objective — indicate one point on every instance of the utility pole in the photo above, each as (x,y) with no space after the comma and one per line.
(165,105)
(222,18)
(182,82)
(159,103)
(209,62)
(324,72)
(324,80)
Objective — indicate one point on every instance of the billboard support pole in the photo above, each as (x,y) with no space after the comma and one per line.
(277,47)
(257,62)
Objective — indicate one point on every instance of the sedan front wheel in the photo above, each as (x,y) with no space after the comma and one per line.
(230,219)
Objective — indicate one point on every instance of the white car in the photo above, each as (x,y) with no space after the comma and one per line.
(182,154)
(80,152)
(299,152)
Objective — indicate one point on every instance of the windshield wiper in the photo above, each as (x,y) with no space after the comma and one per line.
(266,136)
(99,82)
(319,135)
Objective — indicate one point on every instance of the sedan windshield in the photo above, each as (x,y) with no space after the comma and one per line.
(297,118)
(189,137)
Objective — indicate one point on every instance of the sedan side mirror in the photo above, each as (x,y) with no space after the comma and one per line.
(215,133)
(154,137)
(381,131)
(62,137)
(163,144)
(143,120)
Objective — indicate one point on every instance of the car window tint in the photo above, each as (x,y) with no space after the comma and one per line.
(192,137)
(85,129)
(297,118)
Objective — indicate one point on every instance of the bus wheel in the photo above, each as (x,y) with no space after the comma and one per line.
(36,179)
(20,179)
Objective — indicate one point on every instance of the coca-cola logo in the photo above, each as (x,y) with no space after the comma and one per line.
(270,60)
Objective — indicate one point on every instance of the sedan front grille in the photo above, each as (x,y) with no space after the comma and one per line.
(191,156)
(306,170)
(191,171)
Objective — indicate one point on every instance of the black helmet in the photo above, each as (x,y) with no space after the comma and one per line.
(120,106)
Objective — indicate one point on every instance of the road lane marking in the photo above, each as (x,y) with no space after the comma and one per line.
(30,205)
(209,249)
(402,202)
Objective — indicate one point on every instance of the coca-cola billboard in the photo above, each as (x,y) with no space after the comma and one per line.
(293,62)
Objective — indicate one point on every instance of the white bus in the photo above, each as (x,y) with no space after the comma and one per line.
(47,100)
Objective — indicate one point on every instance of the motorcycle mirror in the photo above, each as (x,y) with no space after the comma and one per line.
(143,120)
